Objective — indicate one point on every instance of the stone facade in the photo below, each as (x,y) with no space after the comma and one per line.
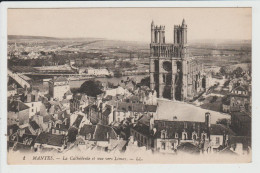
(173,73)
(58,87)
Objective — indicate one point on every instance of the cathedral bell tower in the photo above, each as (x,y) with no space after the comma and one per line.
(168,62)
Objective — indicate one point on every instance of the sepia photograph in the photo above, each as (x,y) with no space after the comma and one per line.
(128,85)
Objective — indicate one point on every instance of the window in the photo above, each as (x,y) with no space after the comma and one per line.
(176,135)
(163,134)
(217,140)
(194,136)
(163,146)
(184,136)
(32,110)
(173,146)
(185,125)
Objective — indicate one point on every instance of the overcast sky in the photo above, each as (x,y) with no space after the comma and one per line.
(132,24)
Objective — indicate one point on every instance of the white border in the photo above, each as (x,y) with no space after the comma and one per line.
(252,167)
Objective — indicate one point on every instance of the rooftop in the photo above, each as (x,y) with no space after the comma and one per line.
(185,112)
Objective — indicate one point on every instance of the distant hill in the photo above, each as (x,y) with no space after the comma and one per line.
(18,37)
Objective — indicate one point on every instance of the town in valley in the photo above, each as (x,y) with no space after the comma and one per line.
(94,95)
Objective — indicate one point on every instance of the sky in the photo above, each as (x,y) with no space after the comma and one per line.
(131,24)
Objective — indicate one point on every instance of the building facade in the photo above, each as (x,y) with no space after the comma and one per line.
(173,73)
(58,87)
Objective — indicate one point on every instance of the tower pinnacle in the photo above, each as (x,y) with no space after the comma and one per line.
(183,22)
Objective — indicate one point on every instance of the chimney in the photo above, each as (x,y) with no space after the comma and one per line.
(36,97)
(132,139)
(207,119)
(151,122)
(29,98)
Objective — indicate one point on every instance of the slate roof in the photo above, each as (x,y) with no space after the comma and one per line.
(81,97)
(107,111)
(10,88)
(61,127)
(16,106)
(72,133)
(151,108)
(135,107)
(172,127)
(14,127)
(87,129)
(26,138)
(47,118)
(240,88)
(22,147)
(50,139)
(245,140)
(34,125)
(228,151)
(102,131)
(142,128)
(98,132)
(77,121)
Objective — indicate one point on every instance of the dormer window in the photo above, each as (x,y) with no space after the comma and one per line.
(185,125)
(163,134)
(203,136)
(184,136)
(88,136)
(176,135)
(194,136)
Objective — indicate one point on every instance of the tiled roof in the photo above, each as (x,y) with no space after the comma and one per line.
(60,79)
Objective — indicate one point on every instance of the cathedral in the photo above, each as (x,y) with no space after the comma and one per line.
(174,74)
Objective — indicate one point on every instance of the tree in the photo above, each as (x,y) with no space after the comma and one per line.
(91,88)
(238,72)
(145,82)
(222,70)
(223,121)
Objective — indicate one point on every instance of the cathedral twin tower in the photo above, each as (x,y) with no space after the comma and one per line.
(173,74)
